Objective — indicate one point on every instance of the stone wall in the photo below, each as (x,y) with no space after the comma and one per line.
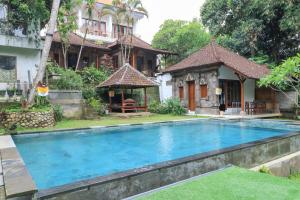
(70,100)
(28,119)
(132,182)
(209,104)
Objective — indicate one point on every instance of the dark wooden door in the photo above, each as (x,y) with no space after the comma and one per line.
(192,103)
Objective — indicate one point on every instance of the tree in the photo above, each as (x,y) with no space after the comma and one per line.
(181,37)
(266,27)
(47,45)
(66,24)
(285,76)
(123,11)
(90,5)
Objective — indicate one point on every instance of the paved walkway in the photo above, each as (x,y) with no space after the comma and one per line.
(271,115)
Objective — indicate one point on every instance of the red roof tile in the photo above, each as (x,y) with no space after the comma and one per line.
(127,76)
(76,40)
(215,54)
(139,43)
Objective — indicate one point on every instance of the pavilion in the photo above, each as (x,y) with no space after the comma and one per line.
(125,78)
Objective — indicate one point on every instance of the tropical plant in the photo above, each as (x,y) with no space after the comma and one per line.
(91,76)
(180,37)
(68,80)
(256,27)
(97,105)
(66,24)
(58,112)
(285,76)
(123,11)
(89,5)
(45,52)
(170,106)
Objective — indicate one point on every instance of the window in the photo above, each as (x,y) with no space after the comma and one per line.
(203,91)
(122,30)
(95,27)
(181,94)
(8,65)
(115,61)
(3,12)
(140,63)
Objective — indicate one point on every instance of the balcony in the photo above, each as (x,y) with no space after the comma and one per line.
(16,34)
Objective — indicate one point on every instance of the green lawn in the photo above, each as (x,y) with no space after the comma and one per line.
(106,121)
(231,184)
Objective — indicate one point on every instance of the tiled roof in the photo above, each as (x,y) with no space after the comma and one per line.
(214,54)
(139,43)
(127,76)
(76,40)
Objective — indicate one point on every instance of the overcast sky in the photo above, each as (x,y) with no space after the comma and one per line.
(160,10)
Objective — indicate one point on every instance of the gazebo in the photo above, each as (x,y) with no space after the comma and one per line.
(128,77)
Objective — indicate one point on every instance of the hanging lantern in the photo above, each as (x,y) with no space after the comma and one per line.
(111,93)
(218,91)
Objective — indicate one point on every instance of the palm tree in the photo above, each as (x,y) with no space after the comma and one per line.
(123,10)
(90,5)
(47,45)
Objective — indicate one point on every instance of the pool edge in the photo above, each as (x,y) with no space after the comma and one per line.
(87,184)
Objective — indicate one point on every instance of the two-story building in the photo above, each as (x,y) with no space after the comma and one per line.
(102,46)
(19,56)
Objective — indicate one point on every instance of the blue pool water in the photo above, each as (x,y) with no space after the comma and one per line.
(59,158)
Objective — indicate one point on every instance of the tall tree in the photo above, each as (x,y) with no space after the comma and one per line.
(90,6)
(254,27)
(66,24)
(123,11)
(285,76)
(181,37)
(47,45)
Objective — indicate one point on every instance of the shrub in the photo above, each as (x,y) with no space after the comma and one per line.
(97,105)
(68,79)
(89,92)
(170,106)
(93,76)
(58,112)
(265,170)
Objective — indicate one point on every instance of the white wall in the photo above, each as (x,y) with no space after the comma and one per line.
(165,91)
(227,73)
(27,60)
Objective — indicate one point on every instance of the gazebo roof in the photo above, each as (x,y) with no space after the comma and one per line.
(127,76)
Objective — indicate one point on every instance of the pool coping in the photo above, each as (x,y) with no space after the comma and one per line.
(86,184)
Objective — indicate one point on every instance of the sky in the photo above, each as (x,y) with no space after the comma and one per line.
(160,10)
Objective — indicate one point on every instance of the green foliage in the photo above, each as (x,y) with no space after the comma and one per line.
(181,37)
(97,105)
(255,27)
(58,112)
(284,76)
(170,106)
(91,76)
(68,79)
(88,92)
(265,170)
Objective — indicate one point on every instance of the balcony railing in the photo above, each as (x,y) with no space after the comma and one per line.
(12,28)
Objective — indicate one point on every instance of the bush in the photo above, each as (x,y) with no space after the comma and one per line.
(93,76)
(97,105)
(68,79)
(170,106)
(58,112)
(88,93)
(265,170)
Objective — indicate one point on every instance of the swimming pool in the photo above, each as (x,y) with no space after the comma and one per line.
(60,158)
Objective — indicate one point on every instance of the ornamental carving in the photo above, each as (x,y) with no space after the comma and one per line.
(203,79)
(189,77)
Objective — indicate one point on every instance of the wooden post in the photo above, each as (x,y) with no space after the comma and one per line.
(134,61)
(145,99)
(123,111)
(110,102)
(97,60)
(242,81)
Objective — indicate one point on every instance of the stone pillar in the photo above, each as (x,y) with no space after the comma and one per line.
(197,91)
(186,94)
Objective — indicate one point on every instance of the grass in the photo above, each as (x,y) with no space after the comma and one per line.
(105,121)
(231,184)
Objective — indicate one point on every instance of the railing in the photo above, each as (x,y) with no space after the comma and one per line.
(13,28)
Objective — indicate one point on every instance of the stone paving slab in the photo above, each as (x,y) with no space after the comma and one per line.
(17,179)
(6,142)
